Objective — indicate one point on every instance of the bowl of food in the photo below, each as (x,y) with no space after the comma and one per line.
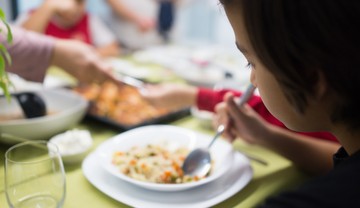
(64,109)
(73,145)
(151,157)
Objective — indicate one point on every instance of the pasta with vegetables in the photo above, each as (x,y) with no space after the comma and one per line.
(153,163)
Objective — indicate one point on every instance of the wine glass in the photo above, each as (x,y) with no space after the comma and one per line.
(34,175)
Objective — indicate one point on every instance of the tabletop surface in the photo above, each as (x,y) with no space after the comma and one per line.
(267,180)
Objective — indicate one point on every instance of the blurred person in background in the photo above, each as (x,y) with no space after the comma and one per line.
(32,54)
(141,23)
(166,18)
(258,123)
(68,19)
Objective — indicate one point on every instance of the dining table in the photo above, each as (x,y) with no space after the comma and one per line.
(277,175)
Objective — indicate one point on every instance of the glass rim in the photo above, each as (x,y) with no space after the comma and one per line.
(53,149)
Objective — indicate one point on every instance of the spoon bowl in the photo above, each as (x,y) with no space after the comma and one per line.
(198,162)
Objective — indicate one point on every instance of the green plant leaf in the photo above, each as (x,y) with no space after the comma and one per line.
(3,85)
(6,54)
(2,14)
(2,66)
(5,57)
(9,33)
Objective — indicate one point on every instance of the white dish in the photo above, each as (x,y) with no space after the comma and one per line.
(73,145)
(176,137)
(207,195)
(198,65)
(199,76)
(205,117)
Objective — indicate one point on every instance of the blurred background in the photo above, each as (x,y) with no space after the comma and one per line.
(197,21)
(201,48)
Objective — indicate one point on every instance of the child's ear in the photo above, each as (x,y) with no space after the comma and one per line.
(321,88)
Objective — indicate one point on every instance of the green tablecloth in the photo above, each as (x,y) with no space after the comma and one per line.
(268,180)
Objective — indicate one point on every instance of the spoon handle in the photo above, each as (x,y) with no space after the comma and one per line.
(243,99)
(246,95)
(219,131)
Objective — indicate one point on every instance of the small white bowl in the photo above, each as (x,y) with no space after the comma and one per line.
(176,137)
(205,117)
(73,145)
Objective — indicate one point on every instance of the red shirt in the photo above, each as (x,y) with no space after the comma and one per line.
(79,31)
(208,98)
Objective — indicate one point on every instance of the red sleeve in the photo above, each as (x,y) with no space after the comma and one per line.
(208,98)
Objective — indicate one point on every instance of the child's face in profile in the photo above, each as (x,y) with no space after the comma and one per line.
(268,86)
(72,14)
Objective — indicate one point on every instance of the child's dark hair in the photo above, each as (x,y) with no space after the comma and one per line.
(299,40)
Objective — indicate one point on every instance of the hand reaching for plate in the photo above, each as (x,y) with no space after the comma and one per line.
(172,96)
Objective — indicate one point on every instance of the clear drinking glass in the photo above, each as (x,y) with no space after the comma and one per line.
(34,175)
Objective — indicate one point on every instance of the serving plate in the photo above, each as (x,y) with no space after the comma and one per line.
(123,107)
(173,137)
(234,180)
(171,116)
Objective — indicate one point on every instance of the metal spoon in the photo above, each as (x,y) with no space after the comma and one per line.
(198,162)
(31,104)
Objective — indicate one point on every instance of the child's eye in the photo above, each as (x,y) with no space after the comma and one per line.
(249,65)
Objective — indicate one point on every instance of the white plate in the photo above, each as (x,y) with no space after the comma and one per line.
(128,68)
(198,65)
(207,195)
(173,137)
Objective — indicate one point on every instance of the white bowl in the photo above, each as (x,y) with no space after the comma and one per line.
(199,76)
(65,109)
(221,151)
(73,145)
(205,117)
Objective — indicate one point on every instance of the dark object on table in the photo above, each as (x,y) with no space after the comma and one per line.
(31,104)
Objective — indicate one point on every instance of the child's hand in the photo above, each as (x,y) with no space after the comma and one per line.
(173,96)
(242,122)
(145,24)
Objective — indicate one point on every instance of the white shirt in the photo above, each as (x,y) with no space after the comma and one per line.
(127,32)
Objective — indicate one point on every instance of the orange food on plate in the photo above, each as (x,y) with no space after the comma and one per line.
(122,104)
